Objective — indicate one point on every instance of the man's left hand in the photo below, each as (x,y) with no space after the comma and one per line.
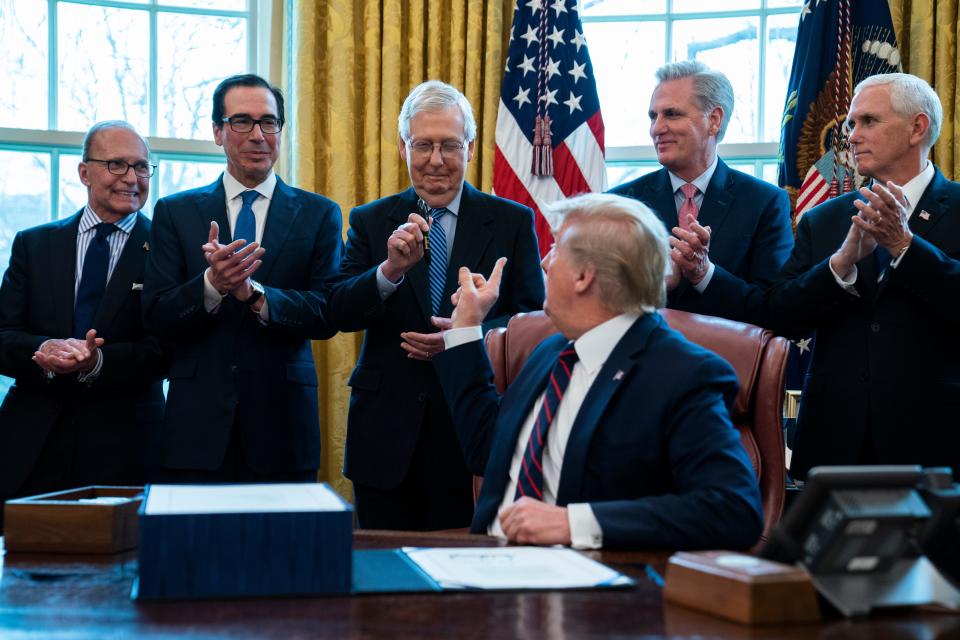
(529,521)
(69,355)
(690,251)
(884,216)
(423,346)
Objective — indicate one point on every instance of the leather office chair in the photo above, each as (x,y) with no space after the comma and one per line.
(758,357)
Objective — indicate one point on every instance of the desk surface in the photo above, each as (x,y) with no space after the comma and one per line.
(49,596)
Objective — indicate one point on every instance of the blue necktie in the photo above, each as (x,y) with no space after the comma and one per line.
(437,270)
(93,280)
(246,226)
(530,476)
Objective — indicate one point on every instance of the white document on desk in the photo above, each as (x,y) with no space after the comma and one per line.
(513,568)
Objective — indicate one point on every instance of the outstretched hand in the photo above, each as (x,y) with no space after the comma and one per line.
(476,295)
(69,355)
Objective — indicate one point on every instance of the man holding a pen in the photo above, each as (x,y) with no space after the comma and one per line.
(402,452)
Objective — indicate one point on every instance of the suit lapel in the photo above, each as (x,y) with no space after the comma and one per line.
(927,214)
(932,207)
(214,199)
(717,200)
(281,218)
(469,244)
(417,277)
(63,243)
(129,268)
(662,200)
(614,371)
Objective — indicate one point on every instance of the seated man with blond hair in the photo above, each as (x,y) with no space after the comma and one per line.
(617,431)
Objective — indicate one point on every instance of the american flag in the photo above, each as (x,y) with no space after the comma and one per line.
(549,128)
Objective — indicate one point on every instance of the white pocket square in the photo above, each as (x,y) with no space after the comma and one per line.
(137,286)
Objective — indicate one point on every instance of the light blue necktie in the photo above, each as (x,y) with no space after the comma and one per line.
(438,259)
(246,227)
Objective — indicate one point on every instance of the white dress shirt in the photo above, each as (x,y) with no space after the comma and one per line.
(233,189)
(593,348)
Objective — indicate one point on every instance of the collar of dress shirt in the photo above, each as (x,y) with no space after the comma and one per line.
(914,189)
(90,219)
(595,346)
(701,182)
(234,188)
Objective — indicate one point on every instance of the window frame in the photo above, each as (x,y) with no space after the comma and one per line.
(55,142)
(759,153)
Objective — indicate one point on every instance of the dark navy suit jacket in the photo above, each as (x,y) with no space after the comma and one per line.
(112,415)
(392,395)
(227,365)
(886,362)
(652,449)
(749,218)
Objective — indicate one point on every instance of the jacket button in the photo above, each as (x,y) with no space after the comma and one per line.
(875,327)
(233,369)
(422,397)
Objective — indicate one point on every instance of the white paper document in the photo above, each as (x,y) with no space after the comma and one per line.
(170,499)
(513,568)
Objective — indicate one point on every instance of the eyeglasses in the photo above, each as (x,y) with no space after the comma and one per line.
(449,150)
(245,124)
(120,168)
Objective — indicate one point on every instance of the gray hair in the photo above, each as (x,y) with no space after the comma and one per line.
(711,88)
(434,95)
(909,95)
(99,127)
(625,243)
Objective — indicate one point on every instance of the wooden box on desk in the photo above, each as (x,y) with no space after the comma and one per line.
(74,521)
(741,588)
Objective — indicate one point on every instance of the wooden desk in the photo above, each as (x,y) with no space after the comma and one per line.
(89,597)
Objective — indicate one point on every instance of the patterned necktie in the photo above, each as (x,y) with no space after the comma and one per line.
(530,477)
(689,206)
(93,280)
(246,226)
(437,269)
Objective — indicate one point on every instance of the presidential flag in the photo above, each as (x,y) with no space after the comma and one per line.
(549,139)
(839,43)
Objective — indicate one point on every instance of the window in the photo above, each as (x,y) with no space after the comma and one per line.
(751,41)
(70,63)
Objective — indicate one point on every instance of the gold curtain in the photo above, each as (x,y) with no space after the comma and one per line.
(927,35)
(352,64)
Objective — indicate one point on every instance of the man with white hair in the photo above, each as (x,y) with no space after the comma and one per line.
(616,432)
(883,386)
(402,452)
(749,218)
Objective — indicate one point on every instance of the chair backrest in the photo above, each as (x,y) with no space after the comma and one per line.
(758,357)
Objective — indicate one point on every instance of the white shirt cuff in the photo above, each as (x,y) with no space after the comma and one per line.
(585,531)
(456,337)
(384,286)
(211,297)
(847,285)
(896,261)
(92,375)
(701,286)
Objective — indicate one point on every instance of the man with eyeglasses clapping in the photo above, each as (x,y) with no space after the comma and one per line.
(399,271)
(236,281)
(88,377)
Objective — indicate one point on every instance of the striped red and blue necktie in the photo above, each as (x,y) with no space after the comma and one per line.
(530,478)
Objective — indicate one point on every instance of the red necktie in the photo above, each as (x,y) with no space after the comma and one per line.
(689,206)
(530,477)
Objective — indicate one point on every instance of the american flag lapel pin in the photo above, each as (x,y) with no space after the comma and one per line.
(924,215)
(618,376)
